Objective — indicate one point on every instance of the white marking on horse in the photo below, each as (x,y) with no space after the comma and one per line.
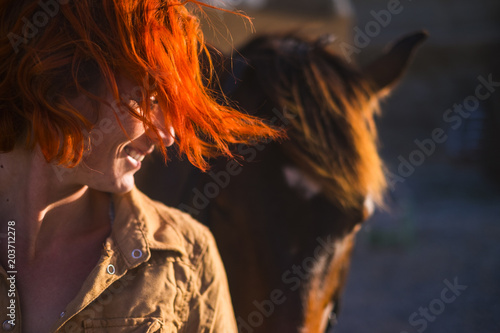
(318,280)
(301,182)
(369,205)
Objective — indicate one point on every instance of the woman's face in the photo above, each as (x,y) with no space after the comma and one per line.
(116,153)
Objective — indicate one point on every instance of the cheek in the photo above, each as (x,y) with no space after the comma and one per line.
(104,148)
(127,129)
(109,135)
(102,145)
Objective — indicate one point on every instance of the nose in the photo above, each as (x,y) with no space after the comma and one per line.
(167,136)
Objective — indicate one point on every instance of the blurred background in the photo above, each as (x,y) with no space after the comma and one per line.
(443,222)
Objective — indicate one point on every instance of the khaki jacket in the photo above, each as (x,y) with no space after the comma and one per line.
(159,271)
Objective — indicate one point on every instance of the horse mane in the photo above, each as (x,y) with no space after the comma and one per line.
(330,109)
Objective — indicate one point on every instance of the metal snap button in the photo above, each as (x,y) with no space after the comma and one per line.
(136,254)
(7,326)
(111,269)
(62,314)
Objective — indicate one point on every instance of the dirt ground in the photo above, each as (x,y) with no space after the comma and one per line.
(443,230)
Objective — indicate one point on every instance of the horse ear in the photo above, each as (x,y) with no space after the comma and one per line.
(385,71)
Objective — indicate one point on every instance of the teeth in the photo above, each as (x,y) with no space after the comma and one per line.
(136,155)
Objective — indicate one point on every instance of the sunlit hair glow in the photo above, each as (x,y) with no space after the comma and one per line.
(155,44)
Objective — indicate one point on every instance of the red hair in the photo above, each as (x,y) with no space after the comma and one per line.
(156,44)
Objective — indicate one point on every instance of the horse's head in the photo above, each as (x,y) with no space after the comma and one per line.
(325,104)
(287,254)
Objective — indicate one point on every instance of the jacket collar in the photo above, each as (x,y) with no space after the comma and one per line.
(142,225)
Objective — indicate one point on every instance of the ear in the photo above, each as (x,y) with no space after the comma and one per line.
(385,72)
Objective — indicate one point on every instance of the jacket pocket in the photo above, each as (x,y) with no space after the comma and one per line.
(128,325)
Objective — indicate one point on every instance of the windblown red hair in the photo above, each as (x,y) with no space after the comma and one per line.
(156,44)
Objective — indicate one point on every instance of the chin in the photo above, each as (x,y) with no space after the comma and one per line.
(126,185)
(118,186)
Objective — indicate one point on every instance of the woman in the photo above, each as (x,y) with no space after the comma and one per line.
(87,90)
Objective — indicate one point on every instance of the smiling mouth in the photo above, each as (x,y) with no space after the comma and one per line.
(134,153)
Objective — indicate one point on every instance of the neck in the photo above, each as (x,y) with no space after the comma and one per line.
(49,214)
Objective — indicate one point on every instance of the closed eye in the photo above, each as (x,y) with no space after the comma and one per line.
(135,104)
(153,100)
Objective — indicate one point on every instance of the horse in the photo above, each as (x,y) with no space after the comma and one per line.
(286,213)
